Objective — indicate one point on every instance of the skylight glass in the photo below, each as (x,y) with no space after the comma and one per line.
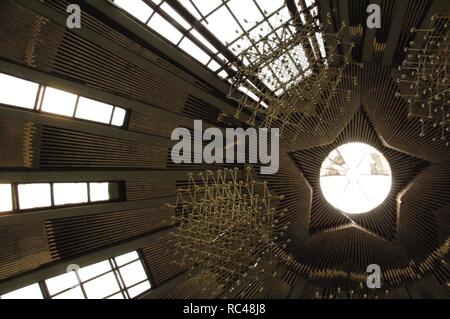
(216,22)
(99,192)
(133,273)
(118,117)
(126,258)
(70,193)
(17,92)
(102,286)
(164,28)
(93,110)
(136,8)
(94,270)
(6,204)
(239,25)
(62,282)
(59,102)
(29,292)
(22,93)
(213,65)
(34,195)
(168,9)
(121,277)
(355,178)
(321,45)
(189,47)
(188,5)
(138,289)
(205,7)
(197,35)
(246,12)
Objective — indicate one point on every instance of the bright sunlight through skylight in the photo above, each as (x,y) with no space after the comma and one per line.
(355,178)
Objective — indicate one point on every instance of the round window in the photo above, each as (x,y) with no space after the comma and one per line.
(355,178)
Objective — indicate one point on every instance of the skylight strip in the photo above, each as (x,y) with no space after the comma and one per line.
(18,92)
(165,28)
(193,50)
(40,98)
(178,18)
(137,8)
(249,31)
(55,194)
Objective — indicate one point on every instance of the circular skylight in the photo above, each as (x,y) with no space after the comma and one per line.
(355,178)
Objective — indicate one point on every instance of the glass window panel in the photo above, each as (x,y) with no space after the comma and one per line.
(271,6)
(116,296)
(309,2)
(70,193)
(240,45)
(213,65)
(168,9)
(136,8)
(88,109)
(203,40)
(97,269)
(218,20)
(75,293)
(246,12)
(29,292)
(223,74)
(34,195)
(61,282)
(6,204)
(119,116)
(122,260)
(282,16)
(17,92)
(193,50)
(137,290)
(99,191)
(133,273)
(163,27)
(101,287)
(206,7)
(355,178)
(188,5)
(321,45)
(59,102)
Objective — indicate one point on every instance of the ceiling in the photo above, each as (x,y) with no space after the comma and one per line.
(122,56)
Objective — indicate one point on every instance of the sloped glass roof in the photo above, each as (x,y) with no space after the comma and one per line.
(215,32)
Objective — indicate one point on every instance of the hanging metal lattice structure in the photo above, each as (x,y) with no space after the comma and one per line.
(226,225)
(294,76)
(424,81)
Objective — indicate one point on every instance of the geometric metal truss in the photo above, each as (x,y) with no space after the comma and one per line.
(292,81)
(424,80)
(225,226)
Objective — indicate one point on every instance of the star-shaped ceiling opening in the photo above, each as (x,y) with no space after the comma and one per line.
(381,221)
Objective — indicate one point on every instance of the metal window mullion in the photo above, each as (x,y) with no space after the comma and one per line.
(52,195)
(88,185)
(119,279)
(185,32)
(15,197)
(44,289)
(76,106)
(112,115)
(38,97)
(41,102)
